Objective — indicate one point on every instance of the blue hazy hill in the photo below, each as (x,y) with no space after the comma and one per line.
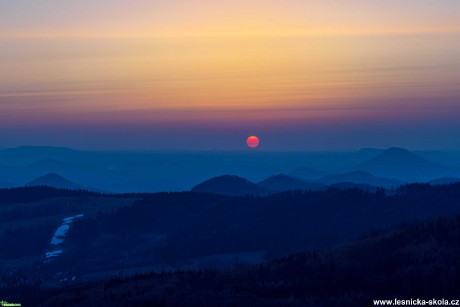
(282,182)
(126,172)
(229,185)
(360,177)
(29,154)
(54,180)
(403,164)
(308,173)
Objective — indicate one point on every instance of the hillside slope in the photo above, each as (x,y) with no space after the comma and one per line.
(415,261)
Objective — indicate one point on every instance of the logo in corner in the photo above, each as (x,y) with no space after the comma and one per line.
(5,303)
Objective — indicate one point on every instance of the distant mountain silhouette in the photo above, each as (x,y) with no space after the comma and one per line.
(56,181)
(281,182)
(29,154)
(38,150)
(444,180)
(49,164)
(371,151)
(308,173)
(402,164)
(179,171)
(229,185)
(58,166)
(360,177)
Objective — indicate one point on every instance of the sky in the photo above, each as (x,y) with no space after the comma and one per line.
(204,75)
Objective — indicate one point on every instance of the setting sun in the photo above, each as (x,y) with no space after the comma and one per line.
(253,141)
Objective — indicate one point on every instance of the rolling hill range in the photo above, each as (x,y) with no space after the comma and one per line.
(238,186)
(128,172)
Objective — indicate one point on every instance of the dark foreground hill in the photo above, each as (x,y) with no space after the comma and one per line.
(444,180)
(36,193)
(418,260)
(121,235)
(194,230)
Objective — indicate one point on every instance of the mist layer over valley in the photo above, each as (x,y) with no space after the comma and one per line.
(136,172)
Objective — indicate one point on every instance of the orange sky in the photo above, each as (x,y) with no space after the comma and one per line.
(119,62)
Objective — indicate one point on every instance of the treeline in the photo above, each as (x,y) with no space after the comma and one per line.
(179,229)
(35,193)
(418,260)
(174,230)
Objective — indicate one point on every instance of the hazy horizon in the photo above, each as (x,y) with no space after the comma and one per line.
(241,150)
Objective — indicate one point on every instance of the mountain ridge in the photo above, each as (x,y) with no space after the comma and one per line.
(396,162)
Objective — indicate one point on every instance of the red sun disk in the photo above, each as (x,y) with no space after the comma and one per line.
(253,142)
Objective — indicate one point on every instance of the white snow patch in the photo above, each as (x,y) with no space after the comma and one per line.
(53,253)
(61,232)
(59,235)
(69,220)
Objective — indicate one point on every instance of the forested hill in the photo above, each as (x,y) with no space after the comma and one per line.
(198,231)
(182,229)
(418,260)
(34,193)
